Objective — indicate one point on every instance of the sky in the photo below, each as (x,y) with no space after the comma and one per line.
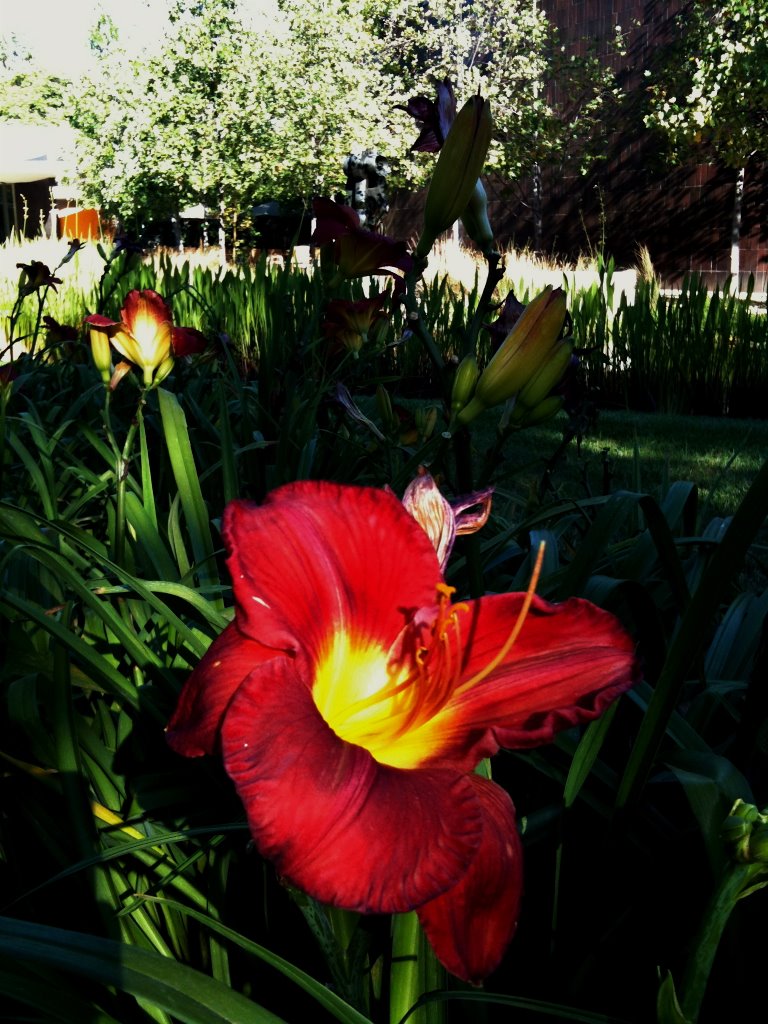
(56,31)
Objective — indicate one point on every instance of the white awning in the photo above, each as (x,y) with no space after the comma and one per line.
(34,152)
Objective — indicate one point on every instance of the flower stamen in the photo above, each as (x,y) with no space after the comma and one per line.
(506,647)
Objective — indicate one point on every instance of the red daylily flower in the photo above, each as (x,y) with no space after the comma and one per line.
(351,701)
(357,252)
(145,334)
(349,322)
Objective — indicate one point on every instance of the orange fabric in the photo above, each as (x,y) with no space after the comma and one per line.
(82,224)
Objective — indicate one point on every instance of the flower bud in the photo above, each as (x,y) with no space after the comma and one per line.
(458,168)
(101,354)
(426,421)
(386,413)
(745,833)
(548,376)
(522,353)
(464,382)
(523,416)
(475,219)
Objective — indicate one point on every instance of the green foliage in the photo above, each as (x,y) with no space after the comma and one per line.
(699,350)
(710,86)
(131,887)
(27,93)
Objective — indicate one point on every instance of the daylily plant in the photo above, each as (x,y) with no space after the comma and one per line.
(351,700)
(145,335)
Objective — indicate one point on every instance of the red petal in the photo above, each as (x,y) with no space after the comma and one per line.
(349,831)
(97,320)
(145,303)
(187,341)
(318,557)
(472,924)
(333,220)
(569,663)
(194,726)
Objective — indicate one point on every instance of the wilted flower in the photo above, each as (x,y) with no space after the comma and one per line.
(357,252)
(434,117)
(36,275)
(444,520)
(351,700)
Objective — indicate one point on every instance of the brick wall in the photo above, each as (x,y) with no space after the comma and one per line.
(683,216)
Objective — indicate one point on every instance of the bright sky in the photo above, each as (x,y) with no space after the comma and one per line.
(56,31)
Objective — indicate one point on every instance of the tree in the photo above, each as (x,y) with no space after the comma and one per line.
(709,91)
(27,93)
(230,114)
(548,106)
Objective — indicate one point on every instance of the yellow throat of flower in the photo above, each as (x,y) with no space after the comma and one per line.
(393,702)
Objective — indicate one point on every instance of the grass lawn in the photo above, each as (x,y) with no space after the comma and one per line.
(640,452)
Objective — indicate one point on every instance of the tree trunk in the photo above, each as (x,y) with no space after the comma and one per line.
(536,208)
(738,201)
(222,236)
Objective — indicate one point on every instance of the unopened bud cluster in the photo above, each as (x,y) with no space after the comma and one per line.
(745,833)
(529,364)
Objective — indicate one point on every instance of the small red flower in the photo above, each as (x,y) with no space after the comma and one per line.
(8,374)
(351,700)
(357,252)
(187,341)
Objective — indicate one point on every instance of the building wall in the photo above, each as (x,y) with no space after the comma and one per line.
(631,198)
(683,216)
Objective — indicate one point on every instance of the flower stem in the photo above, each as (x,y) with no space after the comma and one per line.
(734,884)
(121,471)
(462,448)
(414,971)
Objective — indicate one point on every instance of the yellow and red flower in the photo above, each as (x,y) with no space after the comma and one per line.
(145,335)
(351,700)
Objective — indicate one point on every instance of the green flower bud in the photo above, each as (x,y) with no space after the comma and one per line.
(101,353)
(475,219)
(745,833)
(464,382)
(549,375)
(458,167)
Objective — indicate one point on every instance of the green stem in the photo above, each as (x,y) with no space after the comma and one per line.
(734,883)
(417,325)
(40,306)
(415,970)
(495,274)
(121,470)
(462,448)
